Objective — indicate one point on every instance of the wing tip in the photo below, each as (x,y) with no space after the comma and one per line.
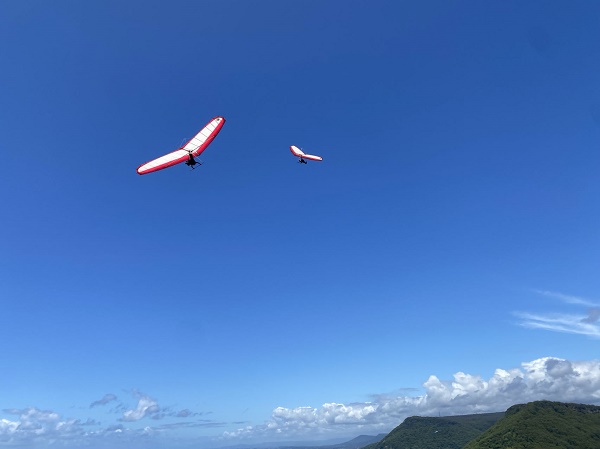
(296,151)
(312,157)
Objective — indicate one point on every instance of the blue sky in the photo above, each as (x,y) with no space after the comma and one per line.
(441,259)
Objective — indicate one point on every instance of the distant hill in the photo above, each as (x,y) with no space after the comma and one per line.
(449,432)
(543,425)
(356,443)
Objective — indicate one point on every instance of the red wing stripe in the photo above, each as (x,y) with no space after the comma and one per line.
(196,145)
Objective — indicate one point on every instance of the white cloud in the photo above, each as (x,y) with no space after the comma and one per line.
(570,299)
(34,425)
(7,428)
(580,324)
(583,322)
(146,407)
(545,378)
(34,428)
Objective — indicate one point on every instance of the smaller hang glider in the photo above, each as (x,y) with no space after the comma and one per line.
(302,155)
(193,148)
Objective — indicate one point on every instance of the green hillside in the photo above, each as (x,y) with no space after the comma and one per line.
(450,432)
(544,425)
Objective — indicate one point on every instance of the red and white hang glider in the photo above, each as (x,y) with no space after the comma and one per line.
(302,155)
(193,148)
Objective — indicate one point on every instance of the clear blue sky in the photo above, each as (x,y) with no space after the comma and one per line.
(447,245)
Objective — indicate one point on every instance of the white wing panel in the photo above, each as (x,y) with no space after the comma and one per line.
(312,157)
(196,145)
(204,134)
(177,154)
(296,151)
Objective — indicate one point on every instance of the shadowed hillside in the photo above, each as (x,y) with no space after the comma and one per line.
(450,432)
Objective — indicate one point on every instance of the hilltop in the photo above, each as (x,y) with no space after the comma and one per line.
(449,432)
(543,425)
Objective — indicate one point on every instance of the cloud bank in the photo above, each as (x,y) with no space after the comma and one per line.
(148,425)
(35,428)
(545,378)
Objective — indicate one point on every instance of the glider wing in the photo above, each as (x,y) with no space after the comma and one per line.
(165,161)
(299,153)
(200,141)
(195,146)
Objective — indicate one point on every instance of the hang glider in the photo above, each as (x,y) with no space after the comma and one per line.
(302,155)
(193,148)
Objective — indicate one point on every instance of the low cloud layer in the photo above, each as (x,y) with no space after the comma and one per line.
(583,321)
(146,424)
(32,427)
(545,378)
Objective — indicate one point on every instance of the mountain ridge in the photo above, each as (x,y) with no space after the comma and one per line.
(533,425)
(543,425)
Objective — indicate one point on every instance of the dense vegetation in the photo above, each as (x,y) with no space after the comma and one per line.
(450,432)
(544,425)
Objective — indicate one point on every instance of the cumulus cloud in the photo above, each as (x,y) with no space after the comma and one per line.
(146,407)
(32,425)
(581,322)
(545,378)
